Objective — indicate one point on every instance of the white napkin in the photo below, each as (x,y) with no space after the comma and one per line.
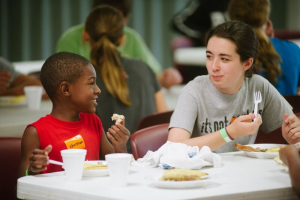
(178,155)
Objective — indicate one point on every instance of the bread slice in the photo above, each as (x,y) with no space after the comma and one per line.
(118,118)
(182,175)
(94,166)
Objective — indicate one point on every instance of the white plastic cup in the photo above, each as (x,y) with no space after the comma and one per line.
(33,96)
(73,160)
(118,168)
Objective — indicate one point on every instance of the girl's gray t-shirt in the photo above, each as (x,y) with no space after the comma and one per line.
(201,109)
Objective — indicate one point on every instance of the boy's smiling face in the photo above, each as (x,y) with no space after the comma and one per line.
(84,92)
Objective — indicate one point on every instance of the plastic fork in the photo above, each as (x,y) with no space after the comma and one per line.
(55,162)
(257,100)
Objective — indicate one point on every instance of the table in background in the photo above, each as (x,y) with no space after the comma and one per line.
(240,177)
(194,56)
(15,118)
(27,67)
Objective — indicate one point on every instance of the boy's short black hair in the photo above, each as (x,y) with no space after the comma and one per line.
(59,67)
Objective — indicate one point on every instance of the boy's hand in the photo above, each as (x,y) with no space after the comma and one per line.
(39,160)
(118,134)
(291,128)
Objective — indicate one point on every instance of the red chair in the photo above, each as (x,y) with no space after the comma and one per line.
(151,138)
(10,156)
(274,137)
(154,119)
(294,101)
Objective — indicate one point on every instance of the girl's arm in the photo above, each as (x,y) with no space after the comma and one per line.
(214,140)
(32,157)
(161,105)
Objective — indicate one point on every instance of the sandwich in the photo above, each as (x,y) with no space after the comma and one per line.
(182,175)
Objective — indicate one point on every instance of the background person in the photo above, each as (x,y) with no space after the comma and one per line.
(277,60)
(215,110)
(125,90)
(133,45)
(12,83)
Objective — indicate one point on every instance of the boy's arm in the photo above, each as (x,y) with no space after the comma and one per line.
(31,156)
(290,156)
(105,146)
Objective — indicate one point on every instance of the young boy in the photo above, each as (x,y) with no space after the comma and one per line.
(70,82)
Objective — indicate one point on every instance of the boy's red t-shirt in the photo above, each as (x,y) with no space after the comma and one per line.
(83,134)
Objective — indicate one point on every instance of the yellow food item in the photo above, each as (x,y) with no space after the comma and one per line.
(15,99)
(96,166)
(274,149)
(182,175)
(279,161)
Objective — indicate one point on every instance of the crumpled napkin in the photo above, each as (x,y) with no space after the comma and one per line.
(179,155)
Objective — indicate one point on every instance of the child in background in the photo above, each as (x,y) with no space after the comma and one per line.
(290,156)
(70,82)
(215,110)
(277,60)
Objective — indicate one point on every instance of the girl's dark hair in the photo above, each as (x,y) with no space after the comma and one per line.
(255,13)
(244,38)
(104,26)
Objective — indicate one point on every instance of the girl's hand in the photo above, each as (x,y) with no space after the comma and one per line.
(39,160)
(291,128)
(243,126)
(118,134)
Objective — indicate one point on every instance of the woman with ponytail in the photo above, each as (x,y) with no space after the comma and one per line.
(277,60)
(128,86)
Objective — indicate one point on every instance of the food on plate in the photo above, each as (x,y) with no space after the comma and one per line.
(16,99)
(279,161)
(94,166)
(257,149)
(182,175)
(117,118)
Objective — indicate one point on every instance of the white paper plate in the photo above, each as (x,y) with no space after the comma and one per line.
(180,184)
(100,172)
(5,101)
(263,155)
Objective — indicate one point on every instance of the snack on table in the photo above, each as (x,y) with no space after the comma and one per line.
(279,161)
(15,99)
(94,166)
(182,175)
(117,118)
(248,148)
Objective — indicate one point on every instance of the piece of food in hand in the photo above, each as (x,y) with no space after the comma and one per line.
(182,175)
(117,118)
(279,161)
(94,166)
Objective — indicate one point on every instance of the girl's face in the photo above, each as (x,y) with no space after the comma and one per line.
(85,91)
(224,67)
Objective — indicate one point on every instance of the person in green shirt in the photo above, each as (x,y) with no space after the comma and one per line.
(133,46)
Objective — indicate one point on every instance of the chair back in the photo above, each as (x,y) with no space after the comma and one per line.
(10,156)
(154,119)
(294,101)
(151,138)
(274,137)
